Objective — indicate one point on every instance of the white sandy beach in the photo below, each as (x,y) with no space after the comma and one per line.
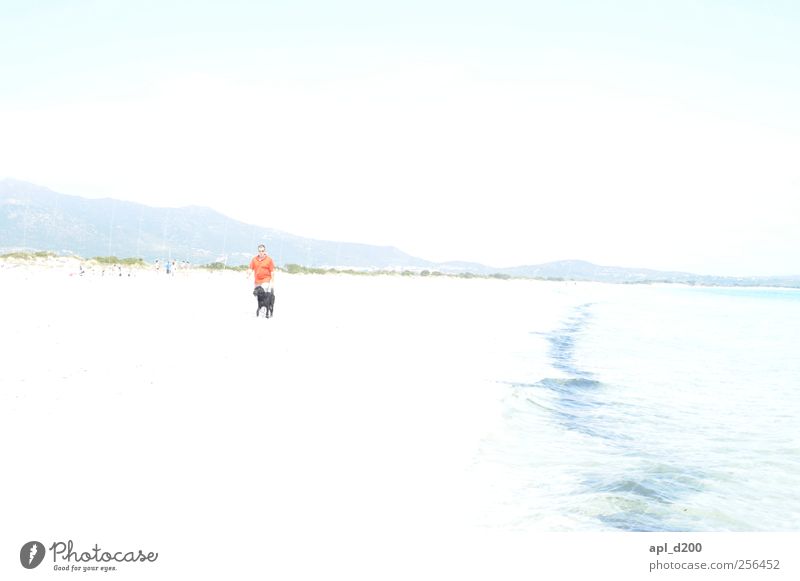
(378,427)
(333,437)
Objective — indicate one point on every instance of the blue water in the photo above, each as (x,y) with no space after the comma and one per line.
(655,408)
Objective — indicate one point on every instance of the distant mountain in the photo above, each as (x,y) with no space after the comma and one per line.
(581,270)
(36,218)
(33,217)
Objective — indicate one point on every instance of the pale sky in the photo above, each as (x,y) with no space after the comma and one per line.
(660,134)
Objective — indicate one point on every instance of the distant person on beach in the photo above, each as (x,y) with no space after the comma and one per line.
(167,266)
(262,267)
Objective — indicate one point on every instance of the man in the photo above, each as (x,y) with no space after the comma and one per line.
(262,266)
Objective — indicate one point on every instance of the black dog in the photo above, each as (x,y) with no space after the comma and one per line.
(266,301)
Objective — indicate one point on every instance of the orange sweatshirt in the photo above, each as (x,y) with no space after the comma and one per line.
(262,267)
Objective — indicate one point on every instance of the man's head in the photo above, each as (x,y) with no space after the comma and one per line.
(262,249)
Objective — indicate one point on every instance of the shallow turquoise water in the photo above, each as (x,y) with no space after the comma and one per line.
(653,408)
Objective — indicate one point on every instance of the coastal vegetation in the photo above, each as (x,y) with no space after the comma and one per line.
(223,266)
(288,268)
(291,268)
(655,277)
(299,269)
(29,255)
(113,260)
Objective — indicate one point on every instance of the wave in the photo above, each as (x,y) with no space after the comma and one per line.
(643,492)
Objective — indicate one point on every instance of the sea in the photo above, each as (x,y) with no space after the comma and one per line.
(647,408)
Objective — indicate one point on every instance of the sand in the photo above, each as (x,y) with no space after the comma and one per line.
(338,438)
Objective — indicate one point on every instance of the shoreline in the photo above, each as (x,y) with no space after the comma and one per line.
(126,267)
